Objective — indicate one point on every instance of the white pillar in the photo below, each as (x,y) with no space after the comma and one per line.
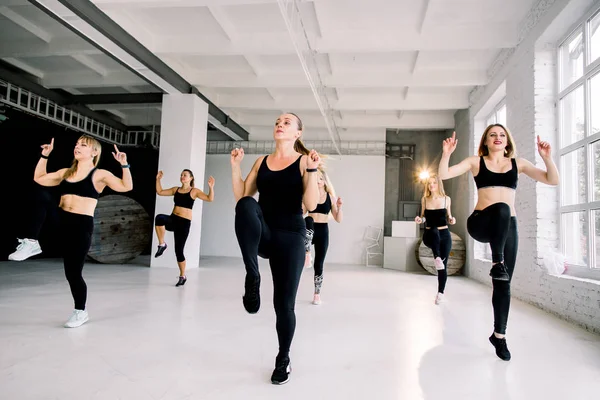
(182,146)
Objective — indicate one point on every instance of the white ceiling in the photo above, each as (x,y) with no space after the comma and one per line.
(406,64)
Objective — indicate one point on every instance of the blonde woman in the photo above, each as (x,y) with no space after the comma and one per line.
(317,228)
(496,172)
(436,214)
(80,186)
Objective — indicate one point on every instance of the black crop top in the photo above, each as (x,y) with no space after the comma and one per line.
(183,200)
(486,178)
(82,188)
(280,195)
(323,208)
(436,217)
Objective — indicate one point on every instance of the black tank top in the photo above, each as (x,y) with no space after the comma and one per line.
(82,188)
(487,178)
(280,196)
(183,200)
(323,208)
(436,217)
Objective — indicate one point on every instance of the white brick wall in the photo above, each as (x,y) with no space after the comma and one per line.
(530,97)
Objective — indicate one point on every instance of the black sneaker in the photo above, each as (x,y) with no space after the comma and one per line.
(161,250)
(499,272)
(182,280)
(282,371)
(501,349)
(251,298)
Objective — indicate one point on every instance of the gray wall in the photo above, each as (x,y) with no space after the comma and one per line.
(427,154)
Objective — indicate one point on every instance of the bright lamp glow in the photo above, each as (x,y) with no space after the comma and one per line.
(423,175)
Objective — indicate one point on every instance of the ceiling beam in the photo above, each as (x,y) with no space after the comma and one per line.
(118,98)
(424,14)
(105,33)
(358,79)
(25,24)
(9,75)
(88,62)
(56,47)
(25,67)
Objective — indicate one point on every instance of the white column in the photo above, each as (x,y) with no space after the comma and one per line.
(182,146)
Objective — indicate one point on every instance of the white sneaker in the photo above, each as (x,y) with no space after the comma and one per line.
(78,318)
(316,299)
(439,264)
(439,298)
(26,248)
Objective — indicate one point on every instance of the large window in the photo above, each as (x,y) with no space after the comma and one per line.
(496,116)
(579,138)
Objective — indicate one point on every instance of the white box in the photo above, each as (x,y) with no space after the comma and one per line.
(407,229)
(399,254)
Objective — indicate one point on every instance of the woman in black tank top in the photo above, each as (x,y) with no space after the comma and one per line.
(80,186)
(273,227)
(180,220)
(317,232)
(437,235)
(494,222)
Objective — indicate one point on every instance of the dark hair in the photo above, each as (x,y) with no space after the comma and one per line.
(192,175)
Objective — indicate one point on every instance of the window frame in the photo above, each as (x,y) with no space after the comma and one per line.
(590,70)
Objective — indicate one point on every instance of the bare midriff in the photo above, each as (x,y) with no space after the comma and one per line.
(319,218)
(183,212)
(77,204)
(496,194)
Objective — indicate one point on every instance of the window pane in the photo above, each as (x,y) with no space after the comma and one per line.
(574,233)
(596,214)
(572,173)
(491,120)
(595,104)
(571,54)
(573,117)
(501,115)
(595,38)
(596,169)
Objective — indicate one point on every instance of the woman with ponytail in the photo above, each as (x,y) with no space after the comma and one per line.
(274,228)
(80,186)
(317,228)
(180,220)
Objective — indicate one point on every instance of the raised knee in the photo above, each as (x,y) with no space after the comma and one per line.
(246,204)
(160,220)
(502,209)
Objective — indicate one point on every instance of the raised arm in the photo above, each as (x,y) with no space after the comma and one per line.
(336,210)
(40,175)
(159,189)
(199,194)
(124,184)
(241,187)
(444,170)
(309,179)
(550,176)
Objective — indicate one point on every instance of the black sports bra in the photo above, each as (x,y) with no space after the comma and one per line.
(82,188)
(486,178)
(183,200)
(323,208)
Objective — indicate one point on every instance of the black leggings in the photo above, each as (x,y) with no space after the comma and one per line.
(440,243)
(181,229)
(495,225)
(320,239)
(76,237)
(285,250)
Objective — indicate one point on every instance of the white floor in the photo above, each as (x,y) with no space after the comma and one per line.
(377,335)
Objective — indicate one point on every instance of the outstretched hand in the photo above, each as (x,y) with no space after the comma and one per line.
(544,148)
(119,156)
(47,148)
(449,144)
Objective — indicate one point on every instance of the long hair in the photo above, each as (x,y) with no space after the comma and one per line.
(328,185)
(511,147)
(299,145)
(427,193)
(191,174)
(95,145)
